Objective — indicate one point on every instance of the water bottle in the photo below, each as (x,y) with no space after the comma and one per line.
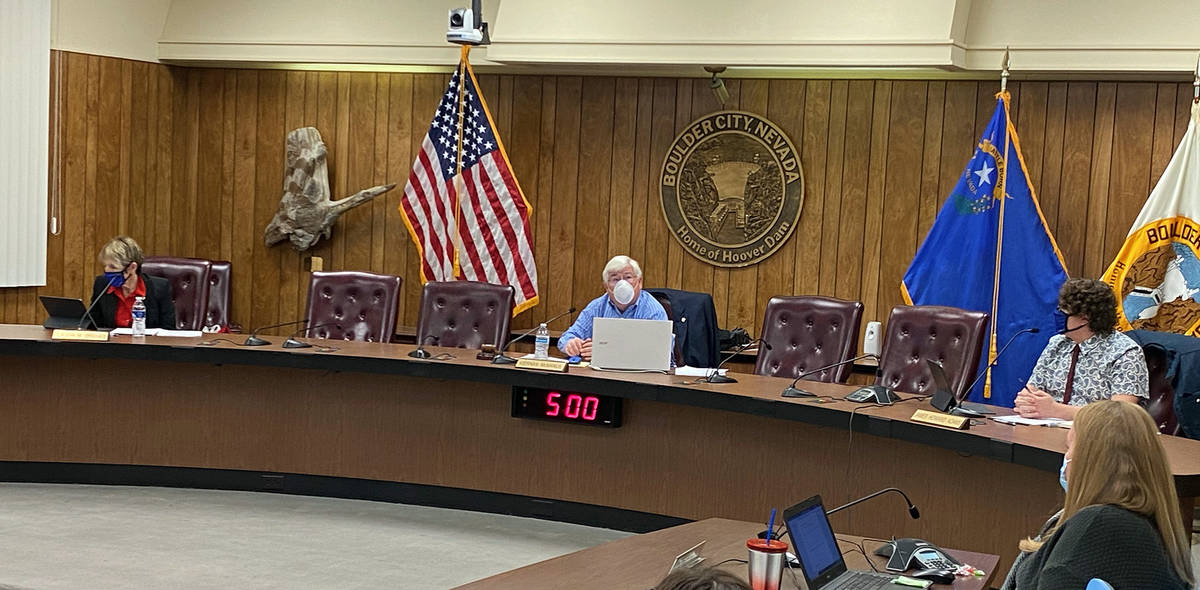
(139,317)
(541,342)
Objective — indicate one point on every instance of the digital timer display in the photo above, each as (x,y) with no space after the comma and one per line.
(566,406)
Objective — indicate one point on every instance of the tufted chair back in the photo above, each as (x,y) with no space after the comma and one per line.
(809,332)
(189,286)
(465,314)
(949,335)
(219,294)
(360,305)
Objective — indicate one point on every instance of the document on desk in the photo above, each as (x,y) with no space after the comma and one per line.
(1055,422)
(160,332)
(686,371)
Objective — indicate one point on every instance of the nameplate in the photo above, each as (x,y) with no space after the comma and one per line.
(81,335)
(940,419)
(554,365)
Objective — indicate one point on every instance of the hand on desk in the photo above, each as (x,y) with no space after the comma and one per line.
(579,347)
(1032,402)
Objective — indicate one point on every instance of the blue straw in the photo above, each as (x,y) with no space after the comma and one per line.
(770,527)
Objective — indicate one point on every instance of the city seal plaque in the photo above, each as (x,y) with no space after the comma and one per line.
(732,188)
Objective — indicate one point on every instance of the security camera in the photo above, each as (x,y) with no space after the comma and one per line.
(466,26)
(717,84)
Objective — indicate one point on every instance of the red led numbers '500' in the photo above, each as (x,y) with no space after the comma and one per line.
(576,406)
(555,405)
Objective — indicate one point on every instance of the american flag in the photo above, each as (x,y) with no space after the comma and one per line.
(493,241)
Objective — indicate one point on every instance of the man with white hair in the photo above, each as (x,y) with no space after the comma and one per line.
(623,298)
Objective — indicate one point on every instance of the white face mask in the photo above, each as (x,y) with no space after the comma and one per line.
(623,292)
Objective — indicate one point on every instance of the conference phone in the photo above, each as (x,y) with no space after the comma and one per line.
(907,553)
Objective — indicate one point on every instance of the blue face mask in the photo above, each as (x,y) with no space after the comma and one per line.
(1062,474)
(117,277)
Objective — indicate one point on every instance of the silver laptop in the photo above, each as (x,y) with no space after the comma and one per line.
(631,345)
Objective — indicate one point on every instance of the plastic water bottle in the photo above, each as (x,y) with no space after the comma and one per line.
(541,342)
(139,317)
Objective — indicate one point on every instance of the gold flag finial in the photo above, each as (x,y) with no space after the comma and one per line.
(1004,71)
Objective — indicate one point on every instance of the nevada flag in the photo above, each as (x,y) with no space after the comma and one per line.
(991,222)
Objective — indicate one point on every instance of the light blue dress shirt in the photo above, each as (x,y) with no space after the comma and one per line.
(645,308)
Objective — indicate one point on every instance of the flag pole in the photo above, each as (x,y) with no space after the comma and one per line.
(987,383)
(458,156)
(1196,83)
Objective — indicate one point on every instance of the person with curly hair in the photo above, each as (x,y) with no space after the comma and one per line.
(1089,361)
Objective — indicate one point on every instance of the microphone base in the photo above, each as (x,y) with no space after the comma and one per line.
(719,378)
(794,392)
(502,359)
(293,343)
(255,341)
(420,353)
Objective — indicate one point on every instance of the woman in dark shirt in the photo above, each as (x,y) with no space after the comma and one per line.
(1120,520)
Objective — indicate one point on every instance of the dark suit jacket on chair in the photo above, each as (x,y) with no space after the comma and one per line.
(695,319)
(160,310)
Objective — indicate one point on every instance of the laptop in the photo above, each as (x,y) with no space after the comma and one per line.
(817,550)
(944,399)
(631,345)
(64,313)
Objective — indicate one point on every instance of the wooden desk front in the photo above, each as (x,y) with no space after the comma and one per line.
(368,411)
(640,562)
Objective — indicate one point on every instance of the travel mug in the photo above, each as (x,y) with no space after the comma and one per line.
(766,563)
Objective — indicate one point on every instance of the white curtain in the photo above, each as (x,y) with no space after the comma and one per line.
(24,140)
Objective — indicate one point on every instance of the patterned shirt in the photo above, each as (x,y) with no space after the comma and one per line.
(1108,365)
(645,308)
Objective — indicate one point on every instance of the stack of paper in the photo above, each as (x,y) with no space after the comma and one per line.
(1058,422)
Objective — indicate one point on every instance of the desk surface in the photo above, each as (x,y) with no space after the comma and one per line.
(1036,447)
(639,562)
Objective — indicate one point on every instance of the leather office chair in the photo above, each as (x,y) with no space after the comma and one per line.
(809,332)
(220,296)
(466,314)
(189,279)
(918,332)
(352,305)
(1161,405)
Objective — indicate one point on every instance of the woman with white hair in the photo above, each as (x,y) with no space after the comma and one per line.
(623,298)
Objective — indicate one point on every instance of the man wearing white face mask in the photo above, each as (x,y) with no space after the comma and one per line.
(623,298)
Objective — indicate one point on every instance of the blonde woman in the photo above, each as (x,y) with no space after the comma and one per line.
(123,282)
(1120,520)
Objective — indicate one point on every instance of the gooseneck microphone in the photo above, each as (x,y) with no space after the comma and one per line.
(254,340)
(793,391)
(420,352)
(503,359)
(291,342)
(1011,339)
(716,377)
(912,510)
(87,315)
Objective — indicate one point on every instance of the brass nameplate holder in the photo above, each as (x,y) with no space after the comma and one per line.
(81,335)
(553,365)
(940,419)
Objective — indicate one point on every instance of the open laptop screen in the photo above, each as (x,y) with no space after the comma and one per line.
(813,541)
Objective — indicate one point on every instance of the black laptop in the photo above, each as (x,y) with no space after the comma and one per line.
(817,549)
(65,313)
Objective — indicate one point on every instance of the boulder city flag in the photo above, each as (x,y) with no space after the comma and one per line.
(1156,276)
(462,205)
(989,250)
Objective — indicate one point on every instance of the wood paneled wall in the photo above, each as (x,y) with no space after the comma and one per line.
(190,163)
